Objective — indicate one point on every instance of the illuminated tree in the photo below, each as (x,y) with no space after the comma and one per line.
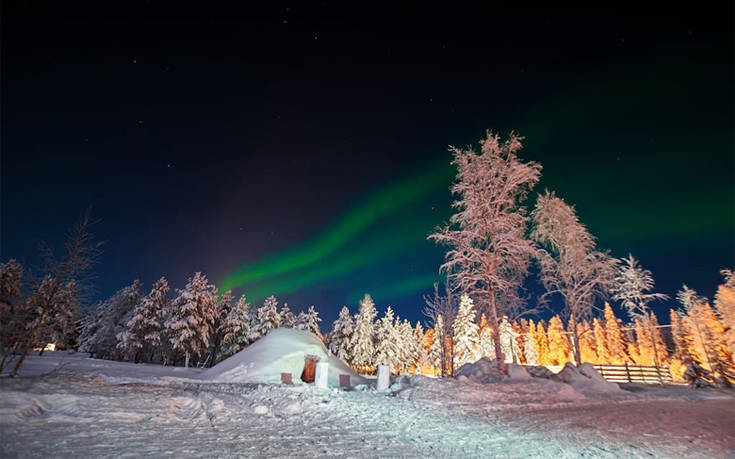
(603,353)
(194,313)
(436,351)
(421,351)
(408,351)
(236,328)
(488,252)
(363,338)
(542,344)
(587,343)
(560,350)
(707,342)
(339,337)
(519,342)
(616,346)
(725,306)
(465,333)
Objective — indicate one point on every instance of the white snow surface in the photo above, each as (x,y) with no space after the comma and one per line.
(282,350)
(68,405)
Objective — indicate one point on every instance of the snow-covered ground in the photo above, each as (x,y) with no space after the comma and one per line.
(70,405)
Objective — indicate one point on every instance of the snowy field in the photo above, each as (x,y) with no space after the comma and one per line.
(70,405)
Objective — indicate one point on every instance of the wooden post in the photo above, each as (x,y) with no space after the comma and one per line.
(627,371)
(286,378)
(344,380)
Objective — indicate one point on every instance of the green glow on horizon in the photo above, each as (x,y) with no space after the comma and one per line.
(398,289)
(283,272)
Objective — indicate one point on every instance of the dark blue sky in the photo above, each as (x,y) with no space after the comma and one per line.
(206,137)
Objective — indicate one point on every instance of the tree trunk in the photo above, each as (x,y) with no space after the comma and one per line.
(499,357)
(575,340)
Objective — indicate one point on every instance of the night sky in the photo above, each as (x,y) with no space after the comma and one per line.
(302,149)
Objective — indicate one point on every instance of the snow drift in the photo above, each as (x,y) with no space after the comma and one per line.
(282,350)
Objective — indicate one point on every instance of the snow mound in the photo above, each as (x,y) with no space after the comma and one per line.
(486,370)
(585,378)
(282,350)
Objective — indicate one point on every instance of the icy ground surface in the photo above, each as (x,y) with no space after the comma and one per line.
(70,405)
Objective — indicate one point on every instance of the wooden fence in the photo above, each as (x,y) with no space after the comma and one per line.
(635,373)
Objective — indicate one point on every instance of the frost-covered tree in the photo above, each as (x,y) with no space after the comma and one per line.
(570,265)
(65,283)
(388,342)
(235,329)
(267,318)
(100,329)
(508,343)
(436,351)
(143,332)
(14,311)
(465,333)
(421,356)
(441,311)
(632,286)
(362,341)
(339,337)
(489,253)
(529,345)
(407,345)
(309,321)
(194,314)
(603,354)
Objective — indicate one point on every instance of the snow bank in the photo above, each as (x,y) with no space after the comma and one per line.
(585,378)
(282,350)
(486,370)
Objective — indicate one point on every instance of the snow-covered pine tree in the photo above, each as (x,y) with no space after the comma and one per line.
(529,345)
(339,337)
(570,265)
(466,338)
(541,339)
(421,356)
(223,308)
(100,330)
(489,253)
(142,334)
(388,342)
(288,318)
(60,319)
(616,346)
(194,313)
(486,343)
(266,318)
(309,321)
(436,350)
(407,345)
(560,349)
(235,329)
(362,341)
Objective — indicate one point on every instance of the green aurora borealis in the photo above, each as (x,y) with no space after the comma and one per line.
(646,173)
